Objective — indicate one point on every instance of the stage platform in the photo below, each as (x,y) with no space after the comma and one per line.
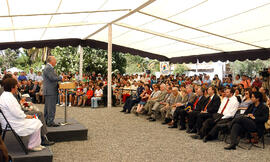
(18,155)
(74,131)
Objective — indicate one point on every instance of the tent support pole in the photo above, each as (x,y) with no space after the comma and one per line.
(109,80)
(80,49)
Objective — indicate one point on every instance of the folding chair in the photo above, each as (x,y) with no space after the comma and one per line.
(225,132)
(261,139)
(18,138)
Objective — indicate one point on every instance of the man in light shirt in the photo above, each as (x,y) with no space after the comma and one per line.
(39,77)
(31,75)
(228,107)
(237,80)
(77,76)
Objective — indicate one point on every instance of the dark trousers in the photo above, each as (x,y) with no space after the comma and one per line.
(176,114)
(200,119)
(33,96)
(49,109)
(130,103)
(213,125)
(192,118)
(241,125)
(105,98)
(183,114)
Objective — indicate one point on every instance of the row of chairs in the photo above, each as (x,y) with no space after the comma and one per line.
(225,132)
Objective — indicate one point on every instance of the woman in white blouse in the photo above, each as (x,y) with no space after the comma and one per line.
(24,125)
(97,96)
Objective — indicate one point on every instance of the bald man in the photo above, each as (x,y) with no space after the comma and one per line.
(50,88)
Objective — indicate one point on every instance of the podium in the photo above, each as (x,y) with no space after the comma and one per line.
(65,86)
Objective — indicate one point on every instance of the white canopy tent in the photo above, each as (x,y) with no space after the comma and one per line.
(169,28)
(166,27)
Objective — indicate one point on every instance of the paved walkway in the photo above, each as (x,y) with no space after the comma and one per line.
(114,136)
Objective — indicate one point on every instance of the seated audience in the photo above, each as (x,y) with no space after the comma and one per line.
(97,96)
(23,125)
(251,122)
(245,102)
(168,110)
(133,100)
(89,94)
(159,105)
(34,88)
(144,97)
(126,92)
(213,103)
(188,99)
(228,107)
(156,96)
(39,94)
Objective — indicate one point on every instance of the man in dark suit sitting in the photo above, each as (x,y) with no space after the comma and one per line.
(191,98)
(228,107)
(50,83)
(34,88)
(213,103)
(130,102)
(197,105)
(252,121)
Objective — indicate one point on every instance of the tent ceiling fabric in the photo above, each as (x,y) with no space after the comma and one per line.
(179,31)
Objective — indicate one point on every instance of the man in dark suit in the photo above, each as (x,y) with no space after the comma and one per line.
(130,102)
(252,121)
(105,97)
(34,88)
(24,88)
(50,83)
(212,106)
(197,106)
(191,98)
(228,107)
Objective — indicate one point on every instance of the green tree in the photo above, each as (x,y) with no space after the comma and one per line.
(180,68)
(247,67)
(9,57)
(135,64)
(138,64)
(1,60)
(67,59)
(154,66)
(22,62)
(96,60)
(30,58)
(119,62)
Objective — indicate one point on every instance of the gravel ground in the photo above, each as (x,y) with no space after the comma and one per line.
(113,136)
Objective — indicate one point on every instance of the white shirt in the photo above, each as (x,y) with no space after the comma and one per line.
(237,81)
(39,78)
(155,94)
(16,117)
(231,107)
(98,92)
(31,76)
(133,87)
(77,77)
(198,82)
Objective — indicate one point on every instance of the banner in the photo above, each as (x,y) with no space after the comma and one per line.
(165,68)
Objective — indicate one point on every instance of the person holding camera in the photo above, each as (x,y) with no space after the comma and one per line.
(266,78)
